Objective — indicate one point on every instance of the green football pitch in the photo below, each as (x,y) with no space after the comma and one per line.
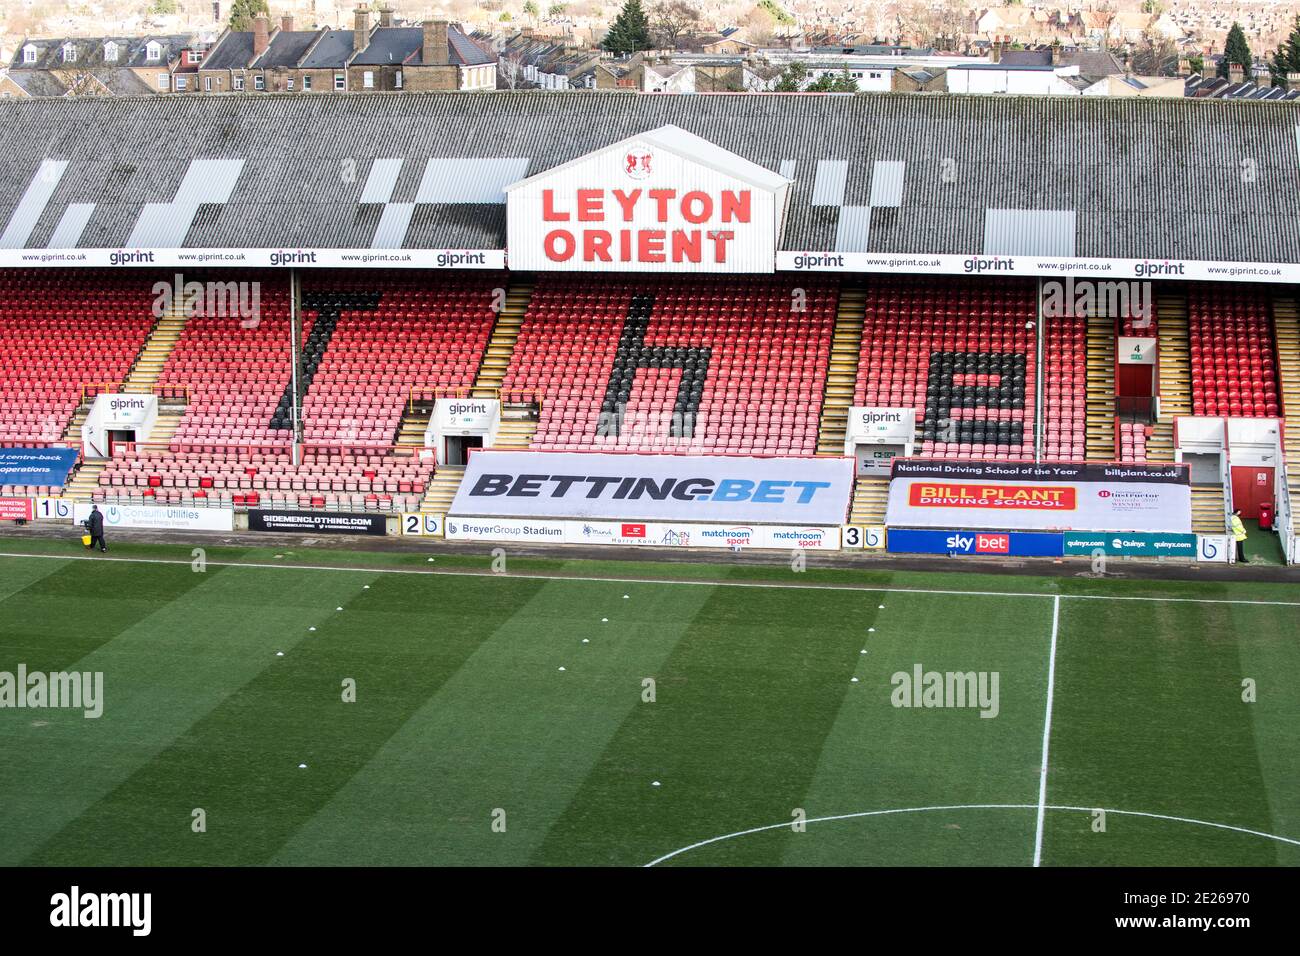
(578,712)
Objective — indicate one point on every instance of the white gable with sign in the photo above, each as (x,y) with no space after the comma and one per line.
(662,201)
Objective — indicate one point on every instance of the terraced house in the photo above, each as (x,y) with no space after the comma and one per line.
(97,66)
(433,56)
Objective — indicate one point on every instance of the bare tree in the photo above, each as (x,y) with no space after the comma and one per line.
(510,69)
(671,19)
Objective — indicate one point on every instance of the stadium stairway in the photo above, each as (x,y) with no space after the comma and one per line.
(169,419)
(438,496)
(73,431)
(1207,509)
(84,480)
(166,333)
(870,497)
(501,346)
(1286,330)
(415,422)
(842,376)
(1100,421)
(516,430)
(1175,371)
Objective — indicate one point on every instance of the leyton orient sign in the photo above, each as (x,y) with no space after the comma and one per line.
(664,201)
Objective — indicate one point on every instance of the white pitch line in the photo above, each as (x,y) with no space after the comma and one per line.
(869,588)
(974,806)
(1047,735)
(840,816)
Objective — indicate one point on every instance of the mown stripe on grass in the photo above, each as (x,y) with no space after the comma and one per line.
(743,707)
(1149,713)
(880,755)
(86,792)
(508,733)
(62,614)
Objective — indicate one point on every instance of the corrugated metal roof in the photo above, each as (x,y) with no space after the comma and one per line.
(1143,177)
(469,180)
(393,223)
(1029,232)
(829,182)
(854,229)
(887,183)
(68,232)
(208,180)
(32,204)
(381,180)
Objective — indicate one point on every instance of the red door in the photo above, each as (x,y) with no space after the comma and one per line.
(1252,486)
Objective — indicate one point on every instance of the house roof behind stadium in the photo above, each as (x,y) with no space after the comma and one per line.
(887,174)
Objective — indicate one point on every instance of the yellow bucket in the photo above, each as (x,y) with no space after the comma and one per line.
(85,539)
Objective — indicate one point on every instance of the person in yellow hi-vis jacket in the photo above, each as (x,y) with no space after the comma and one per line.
(1239,534)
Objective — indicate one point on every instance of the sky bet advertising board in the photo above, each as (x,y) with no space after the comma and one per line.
(1047,497)
(749,490)
(991,543)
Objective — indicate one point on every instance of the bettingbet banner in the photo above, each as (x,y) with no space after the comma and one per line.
(530,484)
(1026,496)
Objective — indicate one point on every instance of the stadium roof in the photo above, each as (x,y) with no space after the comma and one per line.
(886,174)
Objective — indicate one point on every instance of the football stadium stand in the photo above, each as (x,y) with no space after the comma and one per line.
(786,297)
(63,337)
(959,352)
(705,365)
(1234,365)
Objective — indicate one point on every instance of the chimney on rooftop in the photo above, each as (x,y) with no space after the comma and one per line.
(385,16)
(1235,73)
(1293,81)
(435,43)
(995,52)
(261,35)
(1056,53)
(360,29)
(1208,72)
(286,23)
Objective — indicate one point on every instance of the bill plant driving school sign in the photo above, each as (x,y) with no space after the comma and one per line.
(664,201)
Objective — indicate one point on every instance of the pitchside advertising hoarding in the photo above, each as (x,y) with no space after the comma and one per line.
(1036,544)
(663,201)
(1024,496)
(740,490)
(653,534)
(148,516)
(316,522)
(1130,544)
(16,509)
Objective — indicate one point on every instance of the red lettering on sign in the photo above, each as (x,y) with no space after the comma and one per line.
(650,245)
(704,205)
(595,246)
(686,245)
(735,206)
(559,245)
(627,202)
(661,197)
(591,207)
(549,213)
